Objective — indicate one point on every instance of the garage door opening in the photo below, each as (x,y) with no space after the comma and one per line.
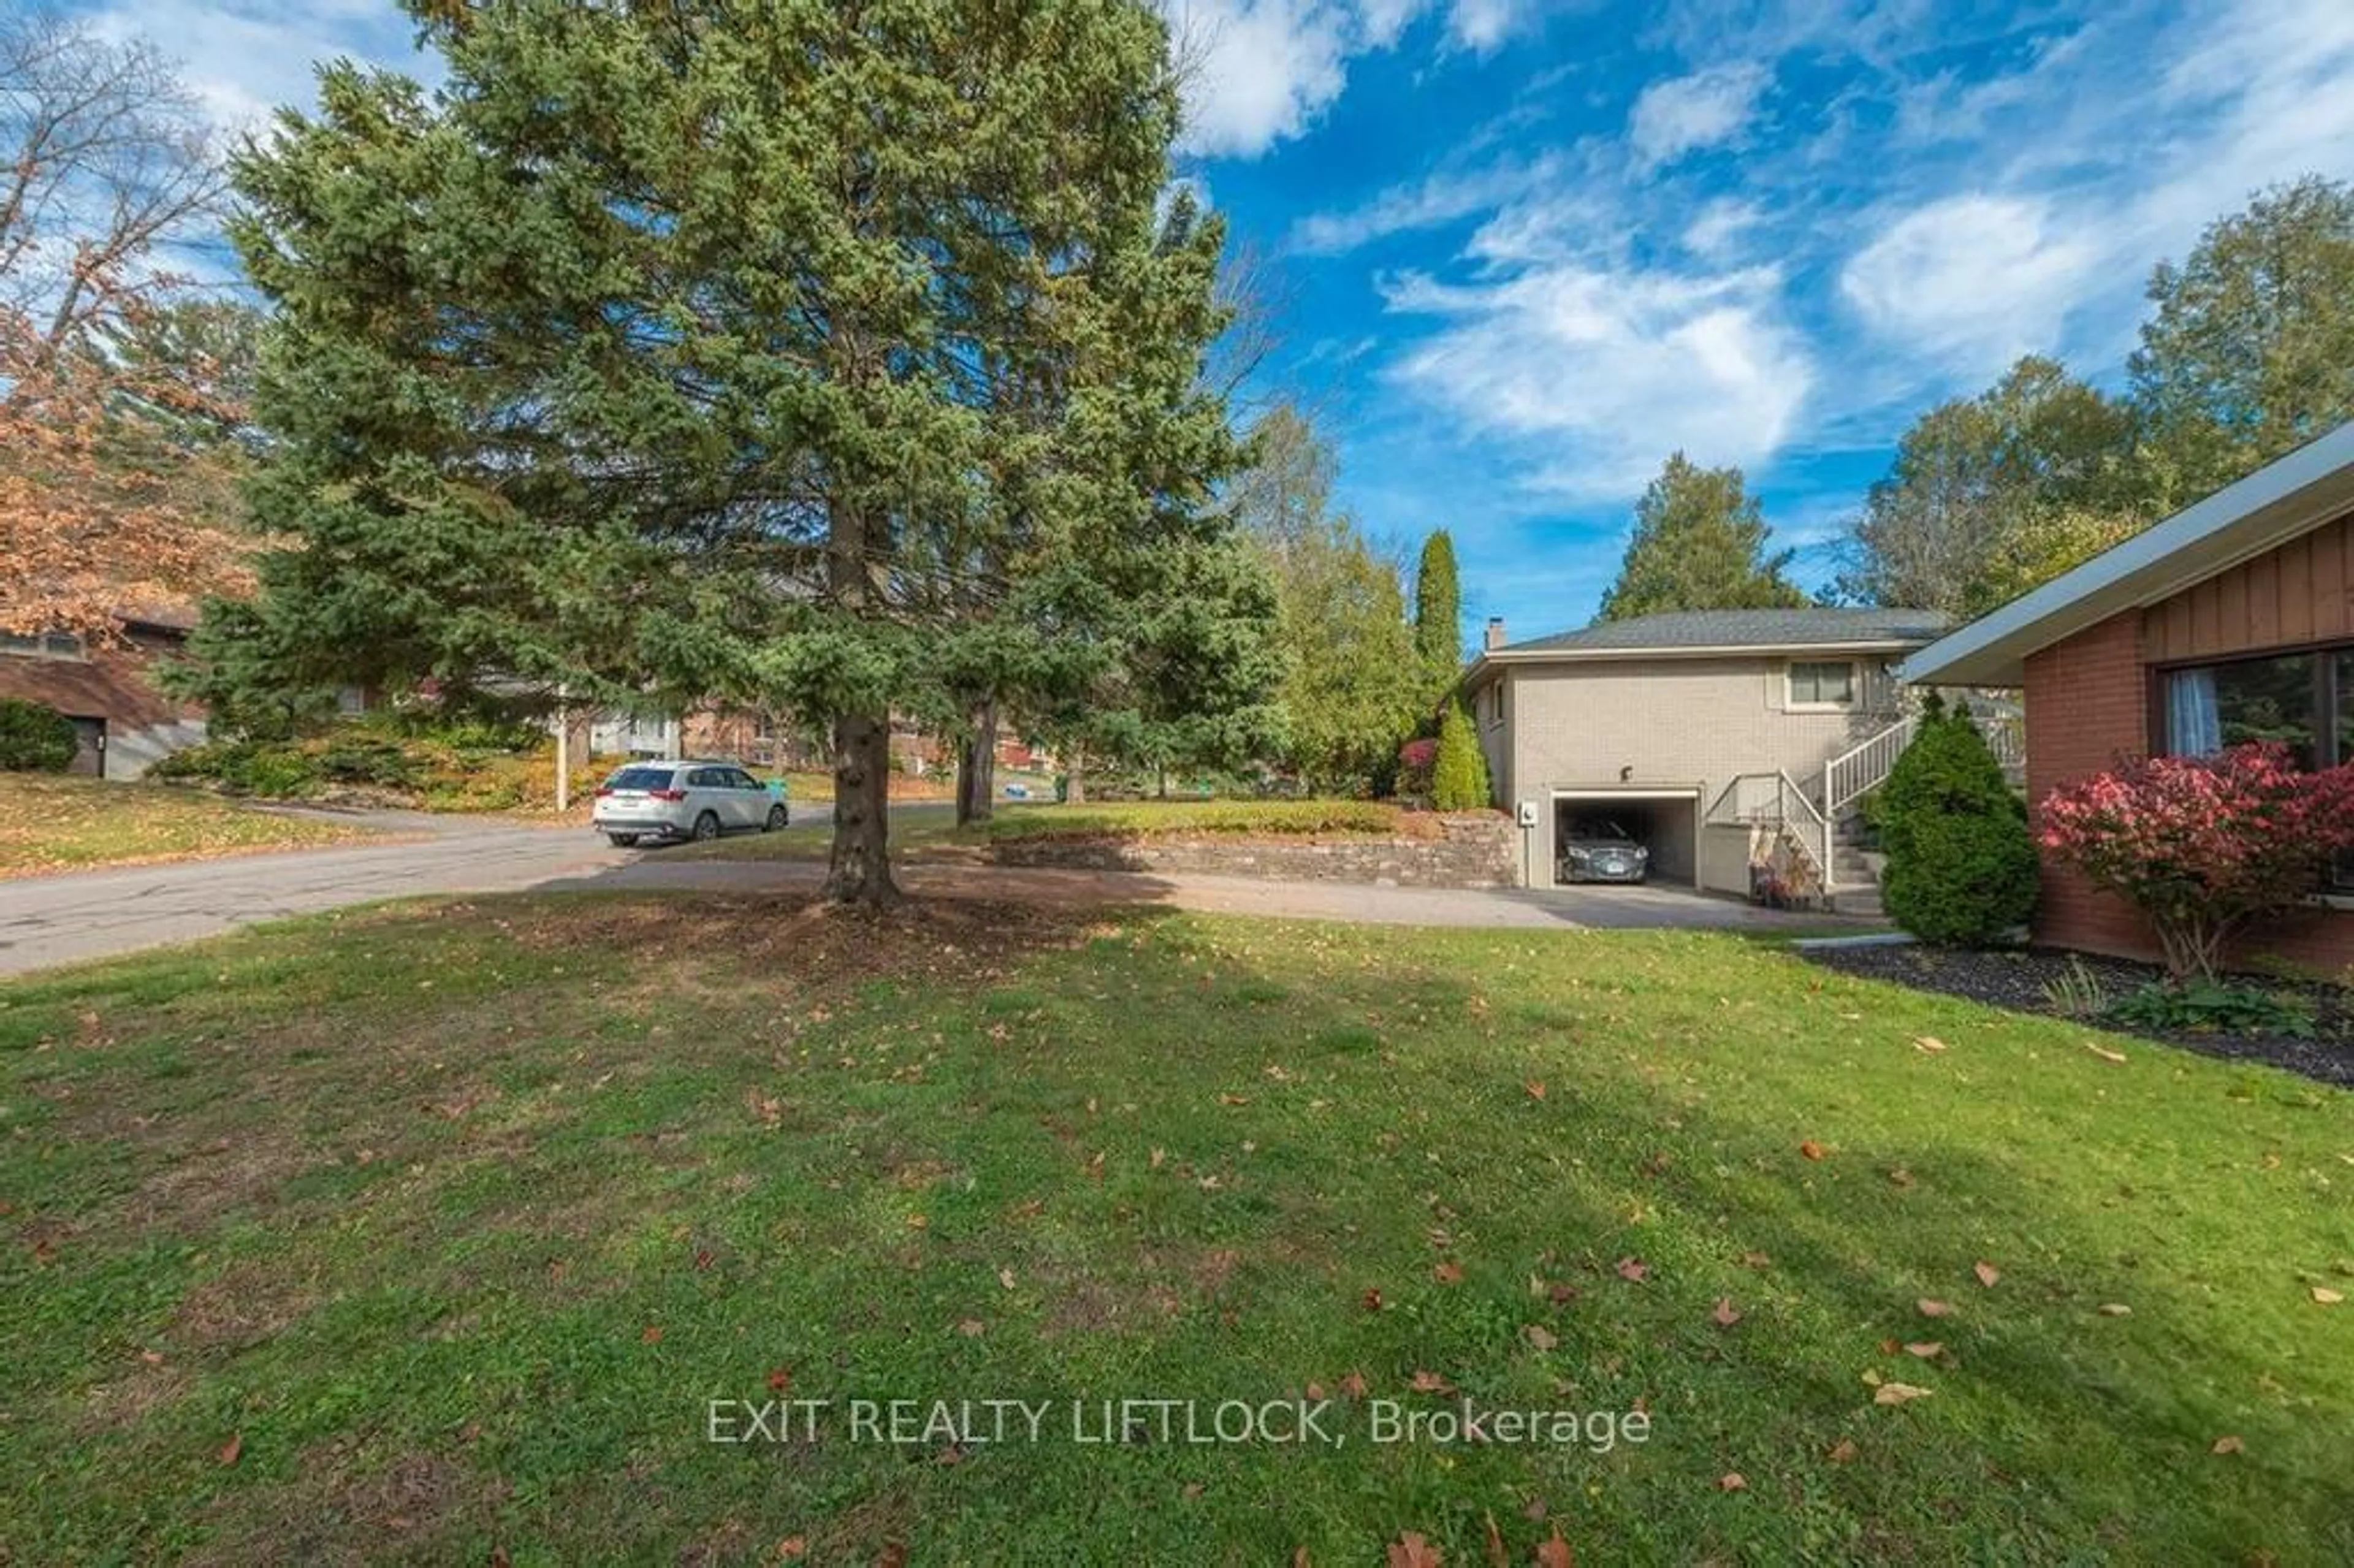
(1666,826)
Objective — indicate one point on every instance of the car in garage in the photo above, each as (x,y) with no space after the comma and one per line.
(684,799)
(1600,849)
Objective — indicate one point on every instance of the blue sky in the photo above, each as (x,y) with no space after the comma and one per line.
(1522,249)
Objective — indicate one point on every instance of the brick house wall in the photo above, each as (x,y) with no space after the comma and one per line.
(2089,700)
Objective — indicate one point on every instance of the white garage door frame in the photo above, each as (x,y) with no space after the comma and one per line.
(1634,796)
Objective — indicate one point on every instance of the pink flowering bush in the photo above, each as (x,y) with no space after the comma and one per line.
(2203,846)
(1416,761)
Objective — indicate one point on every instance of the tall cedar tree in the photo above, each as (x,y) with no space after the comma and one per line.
(1438,610)
(1700,543)
(680,351)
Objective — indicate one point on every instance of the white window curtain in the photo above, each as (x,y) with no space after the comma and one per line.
(2194,723)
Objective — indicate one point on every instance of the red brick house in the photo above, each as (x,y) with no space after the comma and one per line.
(123,724)
(2230,620)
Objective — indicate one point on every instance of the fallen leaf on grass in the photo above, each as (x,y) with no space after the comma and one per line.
(1726,1313)
(792,1549)
(1733,1482)
(2327,1296)
(1448,1274)
(1535,1089)
(1756,1260)
(1814,1151)
(1539,1337)
(1988,1274)
(2104,1053)
(1430,1383)
(779,1379)
(2114,1309)
(1353,1385)
(232,1448)
(1930,1308)
(1928,1043)
(1372,1299)
(652,1335)
(1633,1268)
(1899,1393)
(1555,1553)
(1497,1556)
(1411,1551)
(1842,1452)
(1900,1177)
(2226,1445)
(972,1328)
(1925,1348)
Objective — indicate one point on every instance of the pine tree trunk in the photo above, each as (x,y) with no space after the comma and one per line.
(977,766)
(1075,792)
(859,870)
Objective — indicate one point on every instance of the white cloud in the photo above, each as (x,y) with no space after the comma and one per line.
(1975,280)
(244,59)
(1484,24)
(1713,231)
(1440,198)
(1696,112)
(1261,71)
(1595,374)
(1686,113)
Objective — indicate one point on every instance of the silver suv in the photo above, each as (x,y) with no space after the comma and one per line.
(685,800)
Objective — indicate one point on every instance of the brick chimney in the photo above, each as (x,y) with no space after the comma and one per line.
(1495,632)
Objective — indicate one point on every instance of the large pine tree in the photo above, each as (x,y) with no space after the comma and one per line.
(1700,542)
(686,352)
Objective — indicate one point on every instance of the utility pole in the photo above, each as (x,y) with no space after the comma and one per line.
(563,752)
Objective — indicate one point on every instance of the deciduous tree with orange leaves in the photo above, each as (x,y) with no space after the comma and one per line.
(118,416)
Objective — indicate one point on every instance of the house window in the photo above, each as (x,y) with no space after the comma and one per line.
(2212,706)
(1820,684)
(2304,700)
(53,645)
(1496,703)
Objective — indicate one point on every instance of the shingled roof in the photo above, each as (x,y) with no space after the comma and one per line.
(1814,627)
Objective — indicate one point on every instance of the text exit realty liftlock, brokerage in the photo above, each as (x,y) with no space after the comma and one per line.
(1089,1421)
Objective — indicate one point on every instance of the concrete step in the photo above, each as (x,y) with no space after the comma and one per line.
(1862,901)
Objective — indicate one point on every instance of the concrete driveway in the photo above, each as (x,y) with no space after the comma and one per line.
(66,918)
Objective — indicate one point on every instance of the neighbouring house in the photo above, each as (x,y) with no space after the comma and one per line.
(123,723)
(2230,621)
(1738,744)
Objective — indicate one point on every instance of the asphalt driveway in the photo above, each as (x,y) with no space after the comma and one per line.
(66,918)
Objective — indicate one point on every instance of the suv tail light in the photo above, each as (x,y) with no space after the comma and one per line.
(604,790)
(670,795)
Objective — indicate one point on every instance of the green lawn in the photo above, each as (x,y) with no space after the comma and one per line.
(429,1233)
(53,823)
(931,827)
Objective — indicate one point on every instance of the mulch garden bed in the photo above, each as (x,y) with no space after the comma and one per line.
(2019,979)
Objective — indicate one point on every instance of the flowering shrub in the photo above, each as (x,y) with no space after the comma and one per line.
(1415,760)
(2203,846)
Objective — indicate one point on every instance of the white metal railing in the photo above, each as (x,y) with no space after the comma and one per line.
(2006,736)
(1855,773)
(1775,800)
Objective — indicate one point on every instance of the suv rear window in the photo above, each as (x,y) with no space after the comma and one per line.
(640,779)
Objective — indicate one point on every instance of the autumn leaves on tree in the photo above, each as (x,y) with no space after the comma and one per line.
(118,419)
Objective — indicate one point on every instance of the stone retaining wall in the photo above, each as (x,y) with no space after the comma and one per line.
(1468,852)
